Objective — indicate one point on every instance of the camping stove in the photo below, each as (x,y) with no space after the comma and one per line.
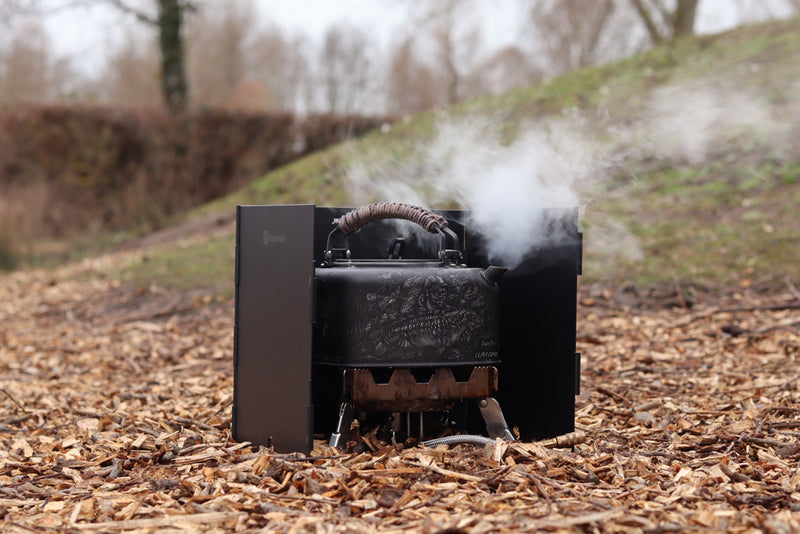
(392,315)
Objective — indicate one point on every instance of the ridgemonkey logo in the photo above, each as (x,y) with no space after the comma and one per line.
(271,239)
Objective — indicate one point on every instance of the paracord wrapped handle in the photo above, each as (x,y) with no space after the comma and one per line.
(356,219)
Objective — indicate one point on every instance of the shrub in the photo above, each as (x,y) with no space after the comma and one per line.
(108,169)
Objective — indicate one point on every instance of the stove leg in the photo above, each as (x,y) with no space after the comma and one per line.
(496,424)
(396,426)
(396,423)
(339,437)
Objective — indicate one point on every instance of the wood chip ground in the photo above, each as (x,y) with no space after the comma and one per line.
(116,415)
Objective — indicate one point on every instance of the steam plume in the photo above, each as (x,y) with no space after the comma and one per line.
(561,162)
(503,185)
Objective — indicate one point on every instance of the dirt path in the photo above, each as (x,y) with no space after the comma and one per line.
(116,413)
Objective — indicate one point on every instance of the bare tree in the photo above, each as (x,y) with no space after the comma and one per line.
(570,31)
(25,64)
(333,67)
(666,22)
(411,84)
(281,64)
(235,62)
(28,70)
(443,18)
(575,33)
(759,10)
(8,10)
(130,75)
(220,40)
(168,20)
(345,69)
(454,44)
(506,69)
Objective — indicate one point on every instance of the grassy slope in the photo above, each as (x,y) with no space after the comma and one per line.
(729,216)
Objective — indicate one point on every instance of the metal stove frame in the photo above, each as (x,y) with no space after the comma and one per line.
(281,399)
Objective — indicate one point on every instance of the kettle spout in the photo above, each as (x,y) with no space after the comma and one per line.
(492,273)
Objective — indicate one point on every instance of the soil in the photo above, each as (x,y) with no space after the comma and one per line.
(198,227)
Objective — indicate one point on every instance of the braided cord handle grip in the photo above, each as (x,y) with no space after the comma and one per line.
(354,220)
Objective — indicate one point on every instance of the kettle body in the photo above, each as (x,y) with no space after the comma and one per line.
(403,313)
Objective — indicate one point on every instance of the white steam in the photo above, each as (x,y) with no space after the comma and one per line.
(564,162)
(505,186)
(687,123)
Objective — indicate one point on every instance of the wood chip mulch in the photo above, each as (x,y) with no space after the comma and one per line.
(116,413)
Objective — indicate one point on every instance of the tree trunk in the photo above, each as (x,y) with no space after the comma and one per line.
(672,24)
(650,24)
(589,47)
(685,13)
(174,87)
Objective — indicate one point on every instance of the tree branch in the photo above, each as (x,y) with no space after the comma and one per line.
(656,36)
(666,14)
(683,20)
(22,8)
(589,50)
(123,6)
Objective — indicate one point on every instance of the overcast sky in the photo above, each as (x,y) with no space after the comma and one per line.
(86,31)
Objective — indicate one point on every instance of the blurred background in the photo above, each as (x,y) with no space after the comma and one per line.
(671,123)
(386,57)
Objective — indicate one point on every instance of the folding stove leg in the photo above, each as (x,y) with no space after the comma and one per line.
(339,437)
(493,417)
